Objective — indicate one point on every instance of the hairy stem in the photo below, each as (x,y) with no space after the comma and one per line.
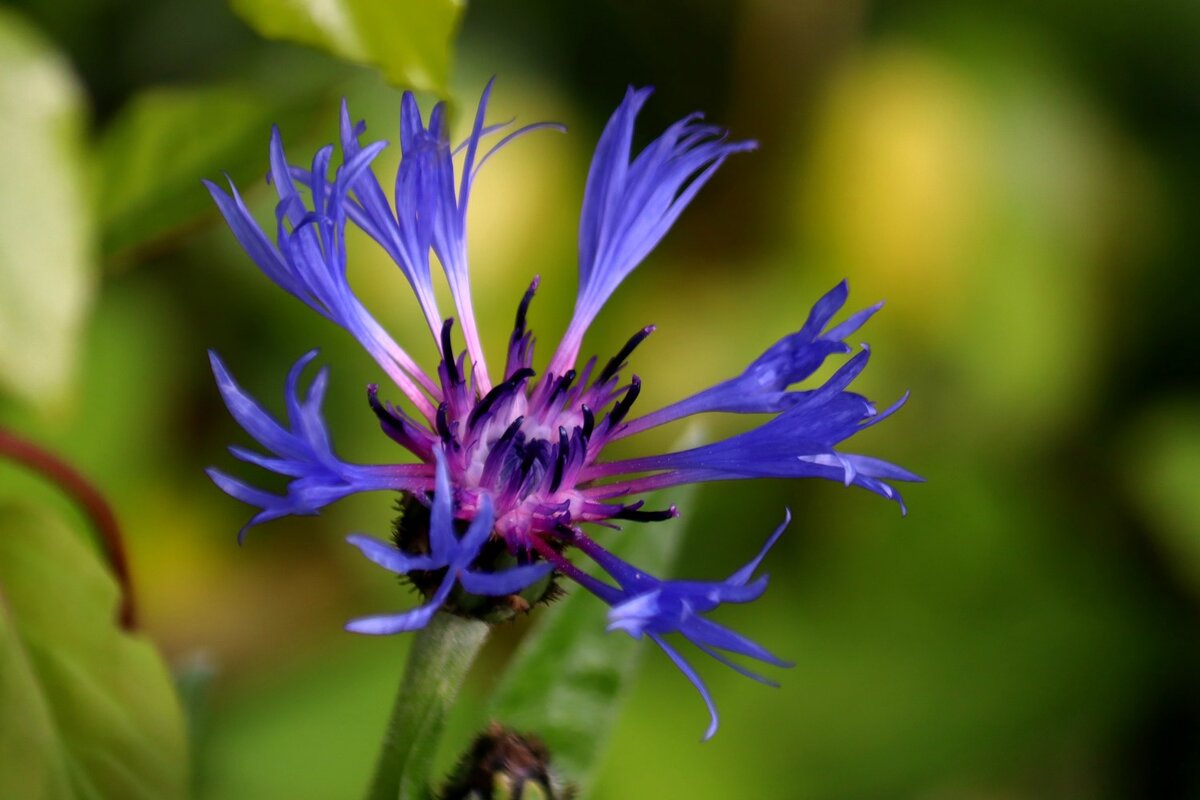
(438,662)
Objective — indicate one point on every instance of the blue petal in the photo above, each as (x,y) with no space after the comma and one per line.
(282,466)
(510,581)
(628,207)
(402,234)
(633,614)
(606,176)
(442,540)
(404,622)
(251,416)
(302,453)
(536,126)
(308,256)
(799,442)
(305,418)
(704,631)
(702,596)
(852,323)
(386,624)
(648,606)
(430,207)
(477,534)
(256,244)
(743,575)
(390,558)
(762,386)
(464,189)
(242,491)
(824,309)
(692,676)
(736,667)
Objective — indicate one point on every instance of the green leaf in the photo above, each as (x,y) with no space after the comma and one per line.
(89,711)
(46,247)
(151,158)
(408,40)
(569,677)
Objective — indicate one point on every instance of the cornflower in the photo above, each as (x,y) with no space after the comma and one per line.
(508,464)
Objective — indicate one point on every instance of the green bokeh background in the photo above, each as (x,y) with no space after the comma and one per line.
(1019,181)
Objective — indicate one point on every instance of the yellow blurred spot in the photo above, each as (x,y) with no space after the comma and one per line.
(897,175)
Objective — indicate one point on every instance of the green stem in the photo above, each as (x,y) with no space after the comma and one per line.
(438,662)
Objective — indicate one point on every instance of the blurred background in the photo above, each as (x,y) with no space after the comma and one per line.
(1018,180)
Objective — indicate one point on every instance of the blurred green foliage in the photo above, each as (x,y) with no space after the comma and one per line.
(89,710)
(44,219)
(149,157)
(409,40)
(1018,180)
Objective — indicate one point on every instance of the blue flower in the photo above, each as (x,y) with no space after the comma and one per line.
(511,461)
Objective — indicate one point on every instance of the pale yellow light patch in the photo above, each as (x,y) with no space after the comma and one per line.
(46,238)
(897,180)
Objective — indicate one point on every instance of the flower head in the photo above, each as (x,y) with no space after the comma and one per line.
(509,464)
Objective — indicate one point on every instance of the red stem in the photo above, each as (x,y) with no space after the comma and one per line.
(90,501)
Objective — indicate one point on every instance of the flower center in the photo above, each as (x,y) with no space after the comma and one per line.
(524,442)
(524,450)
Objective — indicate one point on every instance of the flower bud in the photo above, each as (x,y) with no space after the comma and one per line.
(502,764)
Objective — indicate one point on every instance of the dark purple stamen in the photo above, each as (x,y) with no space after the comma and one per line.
(589,422)
(634,514)
(443,423)
(448,352)
(625,403)
(400,430)
(499,452)
(523,309)
(618,361)
(560,462)
(562,384)
(565,531)
(499,391)
(519,482)
(390,424)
